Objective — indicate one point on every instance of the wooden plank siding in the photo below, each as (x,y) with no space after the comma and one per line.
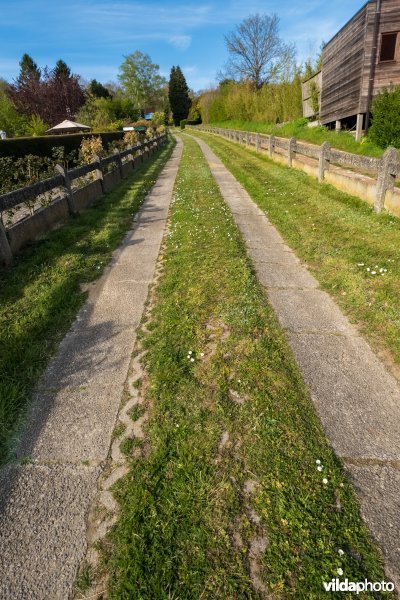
(342,71)
(388,72)
(347,62)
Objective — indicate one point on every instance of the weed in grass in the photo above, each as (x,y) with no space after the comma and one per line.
(129,444)
(118,431)
(137,412)
(85,579)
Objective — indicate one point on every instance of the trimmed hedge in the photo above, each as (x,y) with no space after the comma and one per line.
(41,146)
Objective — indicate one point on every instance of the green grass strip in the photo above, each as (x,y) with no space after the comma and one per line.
(40,295)
(232,437)
(344,243)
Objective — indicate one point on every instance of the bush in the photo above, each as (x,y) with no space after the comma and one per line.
(183,123)
(90,148)
(385,128)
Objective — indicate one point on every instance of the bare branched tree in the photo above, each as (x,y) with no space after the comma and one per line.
(257,53)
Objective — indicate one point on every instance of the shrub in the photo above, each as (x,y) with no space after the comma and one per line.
(183,123)
(385,128)
(90,148)
(160,129)
(131,138)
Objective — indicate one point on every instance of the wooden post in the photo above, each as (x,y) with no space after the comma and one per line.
(291,151)
(324,160)
(247,140)
(130,156)
(359,127)
(60,170)
(257,142)
(390,166)
(99,172)
(271,145)
(6,255)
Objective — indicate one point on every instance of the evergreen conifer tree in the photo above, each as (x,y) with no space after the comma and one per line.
(178,94)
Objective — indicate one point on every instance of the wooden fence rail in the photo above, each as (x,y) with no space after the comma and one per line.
(69,201)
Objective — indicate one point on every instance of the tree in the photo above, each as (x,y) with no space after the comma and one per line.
(257,54)
(53,95)
(62,69)
(178,94)
(385,128)
(28,69)
(141,81)
(96,90)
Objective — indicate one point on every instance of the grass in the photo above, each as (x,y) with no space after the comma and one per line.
(339,236)
(227,501)
(40,295)
(315,135)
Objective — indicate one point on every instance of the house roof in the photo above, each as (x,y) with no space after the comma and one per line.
(67,125)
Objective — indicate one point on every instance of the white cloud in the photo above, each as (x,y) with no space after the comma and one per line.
(181,42)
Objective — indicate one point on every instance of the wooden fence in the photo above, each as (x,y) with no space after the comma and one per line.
(376,177)
(68,200)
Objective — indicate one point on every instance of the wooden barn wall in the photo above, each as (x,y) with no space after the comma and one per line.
(342,72)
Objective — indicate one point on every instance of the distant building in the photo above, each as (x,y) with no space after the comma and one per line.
(358,62)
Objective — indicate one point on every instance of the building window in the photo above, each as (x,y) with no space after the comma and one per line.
(388,47)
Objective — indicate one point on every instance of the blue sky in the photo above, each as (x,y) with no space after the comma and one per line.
(93,36)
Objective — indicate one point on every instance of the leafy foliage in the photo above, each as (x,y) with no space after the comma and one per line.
(141,81)
(385,129)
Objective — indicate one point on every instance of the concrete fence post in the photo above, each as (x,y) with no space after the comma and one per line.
(291,151)
(6,255)
(390,166)
(271,145)
(257,142)
(60,170)
(324,160)
(99,172)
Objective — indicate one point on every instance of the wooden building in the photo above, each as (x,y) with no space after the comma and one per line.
(358,62)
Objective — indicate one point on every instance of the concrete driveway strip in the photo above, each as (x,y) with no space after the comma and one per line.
(357,399)
(44,503)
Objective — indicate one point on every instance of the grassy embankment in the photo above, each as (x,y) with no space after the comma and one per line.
(315,135)
(40,294)
(344,243)
(226,500)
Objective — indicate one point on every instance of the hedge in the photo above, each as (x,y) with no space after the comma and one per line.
(41,146)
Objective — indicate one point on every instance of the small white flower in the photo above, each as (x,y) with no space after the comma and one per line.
(360,264)
(373,272)
(192,360)
(368,269)
(201,353)
(324,481)
(340,571)
(318,461)
(320,467)
(190,352)
(340,552)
